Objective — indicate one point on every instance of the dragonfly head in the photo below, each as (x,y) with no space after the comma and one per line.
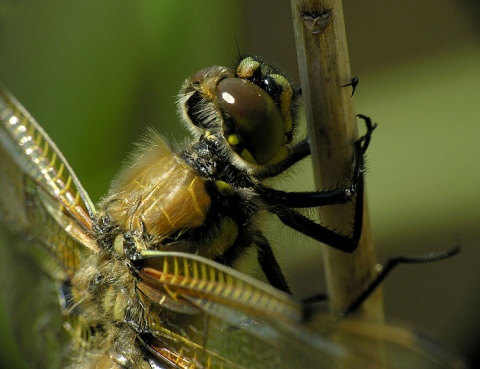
(251,110)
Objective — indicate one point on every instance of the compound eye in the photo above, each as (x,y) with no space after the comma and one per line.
(258,126)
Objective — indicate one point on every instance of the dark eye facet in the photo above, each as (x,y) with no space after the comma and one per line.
(257,124)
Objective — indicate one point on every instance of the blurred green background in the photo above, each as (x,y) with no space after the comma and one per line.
(95,74)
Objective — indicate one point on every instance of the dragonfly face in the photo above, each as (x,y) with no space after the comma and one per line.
(145,280)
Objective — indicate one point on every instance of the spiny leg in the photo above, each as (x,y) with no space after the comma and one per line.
(281,202)
(390,265)
(385,271)
(312,199)
(269,264)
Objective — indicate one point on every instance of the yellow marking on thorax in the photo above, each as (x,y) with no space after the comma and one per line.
(167,217)
(195,202)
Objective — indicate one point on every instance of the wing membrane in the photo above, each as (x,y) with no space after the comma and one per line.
(237,322)
(40,195)
(31,300)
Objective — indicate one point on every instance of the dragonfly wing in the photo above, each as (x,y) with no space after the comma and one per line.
(393,346)
(31,300)
(42,203)
(205,315)
(232,321)
(41,196)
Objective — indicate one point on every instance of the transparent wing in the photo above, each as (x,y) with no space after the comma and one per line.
(31,300)
(41,202)
(205,315)
(40,195)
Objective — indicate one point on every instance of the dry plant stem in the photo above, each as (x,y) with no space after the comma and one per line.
(324,68)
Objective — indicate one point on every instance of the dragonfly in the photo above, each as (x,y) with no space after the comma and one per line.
(147,279)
